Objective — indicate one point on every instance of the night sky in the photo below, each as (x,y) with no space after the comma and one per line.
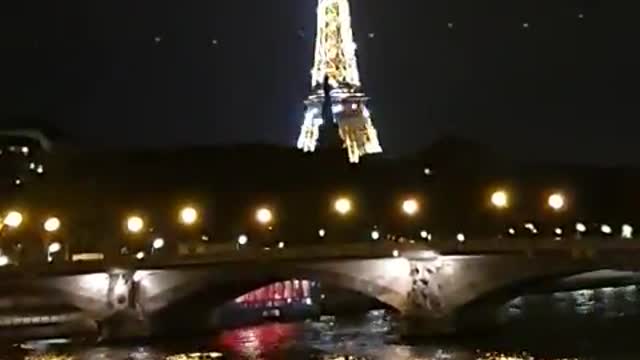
(550,79)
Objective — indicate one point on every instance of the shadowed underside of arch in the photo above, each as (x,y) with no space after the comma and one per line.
(385,280)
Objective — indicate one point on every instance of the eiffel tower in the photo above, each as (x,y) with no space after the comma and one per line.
(336,86)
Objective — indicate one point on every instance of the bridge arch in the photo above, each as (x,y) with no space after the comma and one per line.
(385,280)
(479,284)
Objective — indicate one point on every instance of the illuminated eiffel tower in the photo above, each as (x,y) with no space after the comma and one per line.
(336,64)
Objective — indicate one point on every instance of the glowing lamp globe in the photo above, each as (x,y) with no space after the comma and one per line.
(52,224)
(188,215)
(500,199)
(410,207)
(135,224)
(264,216)
(13,219)
(556,201)
(343,206)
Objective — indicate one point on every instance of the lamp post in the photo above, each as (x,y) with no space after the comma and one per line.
(264,217)
(410,208)
(500,202)
(189,217)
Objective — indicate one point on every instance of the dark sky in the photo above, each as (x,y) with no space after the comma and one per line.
(147,72)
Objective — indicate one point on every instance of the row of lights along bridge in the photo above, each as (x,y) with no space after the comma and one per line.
(265,216)
(343,206)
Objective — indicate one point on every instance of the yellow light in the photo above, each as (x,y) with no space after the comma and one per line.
(243,239)
(13,219)
(188,215)
(556,201)
(343,206)
(410,207)
(52,224)
(500,199)
(54,247)
(264,216)
(135,224)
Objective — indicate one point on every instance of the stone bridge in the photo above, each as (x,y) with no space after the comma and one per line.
(430,287)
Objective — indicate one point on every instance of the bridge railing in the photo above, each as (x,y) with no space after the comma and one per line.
(576,248)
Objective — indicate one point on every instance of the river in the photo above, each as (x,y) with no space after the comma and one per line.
(587,324)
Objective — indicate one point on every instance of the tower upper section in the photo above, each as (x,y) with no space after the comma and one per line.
(335,53)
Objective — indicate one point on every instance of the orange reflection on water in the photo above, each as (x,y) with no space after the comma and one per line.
(258,341)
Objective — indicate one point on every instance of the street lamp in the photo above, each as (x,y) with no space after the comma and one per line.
(343,206)
(500,199)
(556,201)
(13,219)
(52,224)
(54,247)
(243,239)
(188,215)
(157,244)
(264,216)
(410,207)
(135,224)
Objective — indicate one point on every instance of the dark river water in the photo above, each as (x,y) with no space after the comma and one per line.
(587,324)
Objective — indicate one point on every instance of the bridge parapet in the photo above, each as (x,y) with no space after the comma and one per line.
(586,247)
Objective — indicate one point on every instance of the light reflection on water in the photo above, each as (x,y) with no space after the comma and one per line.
(587,324)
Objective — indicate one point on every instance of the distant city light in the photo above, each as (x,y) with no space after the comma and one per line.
(52,224)
(135,224)
(188,215)
(500,199)
(158,243)
(427,171)
(13,219)
(343,206)
(281,245)
(140,255)
(410,206)
(264,216)
(531,227)
(556,201)
(424,234)
(557,231)
(243,239)
(54,247)
(580,227)
(460,237)
(606,229)
(322,233)
(25,150)
(40,169)
(4,260)
(375,234)
(395,253)
(627,231)
(32,166)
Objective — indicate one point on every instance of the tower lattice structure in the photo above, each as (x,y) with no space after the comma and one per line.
(336,63)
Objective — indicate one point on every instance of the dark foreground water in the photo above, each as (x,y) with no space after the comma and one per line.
(588,324)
